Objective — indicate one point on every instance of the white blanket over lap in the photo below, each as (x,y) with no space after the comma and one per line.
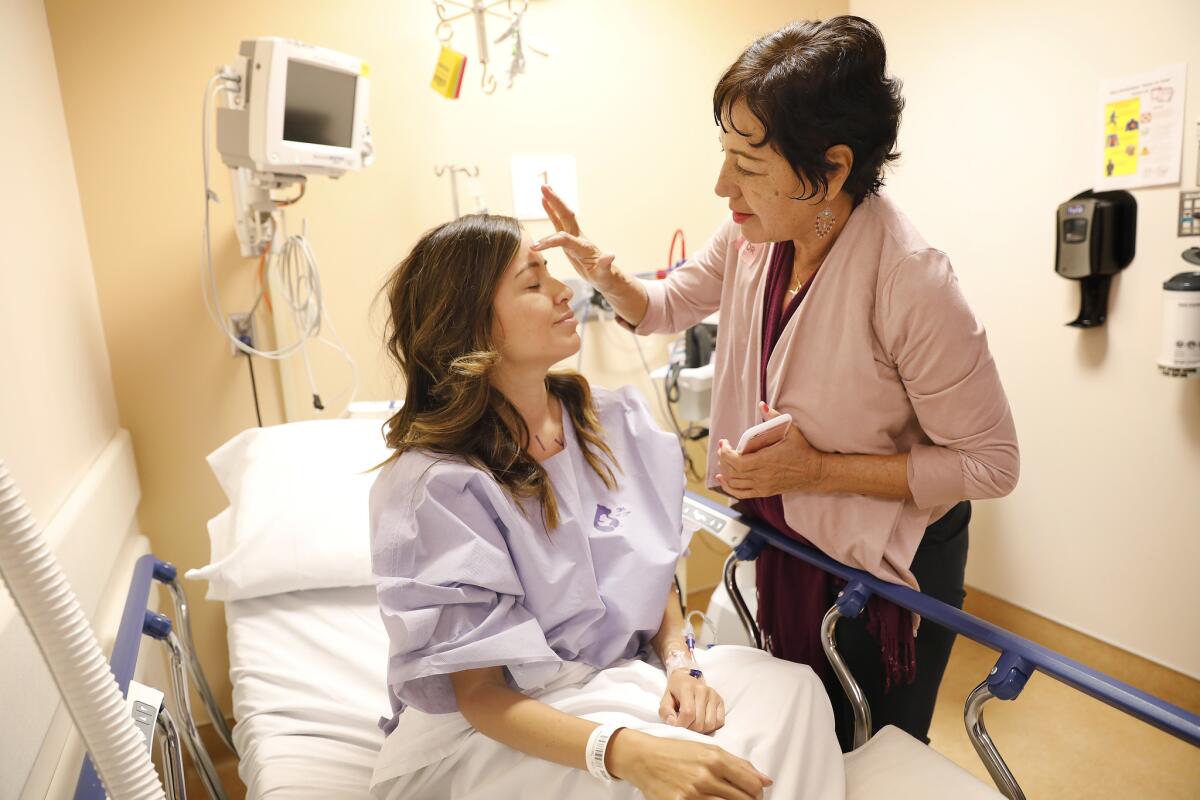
(777,716)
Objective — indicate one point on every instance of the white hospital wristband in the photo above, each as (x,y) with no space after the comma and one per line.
(597,746)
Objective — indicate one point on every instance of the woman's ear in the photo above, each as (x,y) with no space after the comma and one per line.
(842,157)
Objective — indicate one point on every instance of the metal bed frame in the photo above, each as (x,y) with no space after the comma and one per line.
(137,621)
(1019,658)
(1018,661)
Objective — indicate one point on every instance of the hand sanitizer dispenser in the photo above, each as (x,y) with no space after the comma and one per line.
(1180,353)
(1096,235)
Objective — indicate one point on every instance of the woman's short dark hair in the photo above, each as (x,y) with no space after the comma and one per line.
(814,85)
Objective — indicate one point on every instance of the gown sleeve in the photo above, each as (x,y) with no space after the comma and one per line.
(449,594)
(652,457)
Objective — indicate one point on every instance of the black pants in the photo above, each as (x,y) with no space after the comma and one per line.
(938,565)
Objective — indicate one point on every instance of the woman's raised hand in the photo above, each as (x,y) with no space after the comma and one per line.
(669,769)
(592,264)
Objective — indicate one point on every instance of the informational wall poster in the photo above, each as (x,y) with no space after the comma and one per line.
(1142,142)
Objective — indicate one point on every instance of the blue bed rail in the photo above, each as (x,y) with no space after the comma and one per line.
(123,660)
(137,620)
(1019,658)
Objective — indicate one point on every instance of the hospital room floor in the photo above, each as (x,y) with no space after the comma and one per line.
(1058,742)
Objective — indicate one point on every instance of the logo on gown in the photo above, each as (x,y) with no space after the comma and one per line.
(608,519)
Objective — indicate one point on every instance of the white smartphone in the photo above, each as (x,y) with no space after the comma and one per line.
(764,434)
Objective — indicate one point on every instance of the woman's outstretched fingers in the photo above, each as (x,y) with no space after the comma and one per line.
(555,220)
(565,216)
(744,775)
(560,239)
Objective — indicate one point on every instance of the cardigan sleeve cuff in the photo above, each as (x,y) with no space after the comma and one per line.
(935,476)
(655,319)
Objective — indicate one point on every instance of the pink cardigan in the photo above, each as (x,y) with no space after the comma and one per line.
(884,356)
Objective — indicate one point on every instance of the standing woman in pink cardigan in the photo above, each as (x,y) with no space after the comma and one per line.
(833,309)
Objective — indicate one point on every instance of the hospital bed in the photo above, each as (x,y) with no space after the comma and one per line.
(308,650)
(309,674)
(1019,658)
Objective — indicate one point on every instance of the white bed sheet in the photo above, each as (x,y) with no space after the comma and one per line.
(309,686)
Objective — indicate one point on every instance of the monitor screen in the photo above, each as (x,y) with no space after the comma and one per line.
(319,107)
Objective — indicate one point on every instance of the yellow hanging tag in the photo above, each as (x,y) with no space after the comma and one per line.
(448,75)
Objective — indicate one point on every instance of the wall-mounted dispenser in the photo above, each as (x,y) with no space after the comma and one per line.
(1180,356)
(1096,236)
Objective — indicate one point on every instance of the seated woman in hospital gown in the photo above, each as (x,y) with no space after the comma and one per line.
(525,535)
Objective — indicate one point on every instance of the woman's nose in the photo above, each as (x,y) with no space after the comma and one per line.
(564,294)
(725,187)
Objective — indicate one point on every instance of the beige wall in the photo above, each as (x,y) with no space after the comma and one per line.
(57,408)
(627,91)
(1000,127)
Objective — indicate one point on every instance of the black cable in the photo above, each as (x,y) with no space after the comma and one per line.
(687,458)
(671,381)
(254,389)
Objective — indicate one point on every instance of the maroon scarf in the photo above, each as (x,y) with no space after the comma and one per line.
(793,595)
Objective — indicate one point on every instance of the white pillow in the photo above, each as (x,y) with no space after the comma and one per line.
(297,516)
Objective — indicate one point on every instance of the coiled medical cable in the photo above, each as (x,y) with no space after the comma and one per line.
(292,262)
(41,591)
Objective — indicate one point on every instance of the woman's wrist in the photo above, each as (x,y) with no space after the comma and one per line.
(871,475)
(823,474)
(672,644)
(677,661)
(626,295)
(625,750)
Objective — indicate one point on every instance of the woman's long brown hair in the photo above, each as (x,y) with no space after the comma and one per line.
(439,333)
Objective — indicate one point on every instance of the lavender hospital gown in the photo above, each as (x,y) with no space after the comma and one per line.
(466,580)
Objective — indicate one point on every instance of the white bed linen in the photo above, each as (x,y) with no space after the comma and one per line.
(778,718)
(309,677)
(309,686)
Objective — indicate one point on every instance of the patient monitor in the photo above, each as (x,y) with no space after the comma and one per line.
(289,110)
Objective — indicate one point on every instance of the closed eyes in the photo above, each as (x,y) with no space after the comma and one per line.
(740,169)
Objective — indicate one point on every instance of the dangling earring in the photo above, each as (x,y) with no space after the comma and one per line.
(824,223)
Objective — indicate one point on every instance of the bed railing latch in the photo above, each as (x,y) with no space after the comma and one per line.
(852,599)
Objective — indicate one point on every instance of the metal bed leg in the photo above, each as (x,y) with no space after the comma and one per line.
(988,754)
(172,756)
(166,574)
(1005,681)
(739,602)
(191,736)
(850,603)
(858,701)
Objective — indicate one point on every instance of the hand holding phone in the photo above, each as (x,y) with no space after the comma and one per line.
(764,434)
